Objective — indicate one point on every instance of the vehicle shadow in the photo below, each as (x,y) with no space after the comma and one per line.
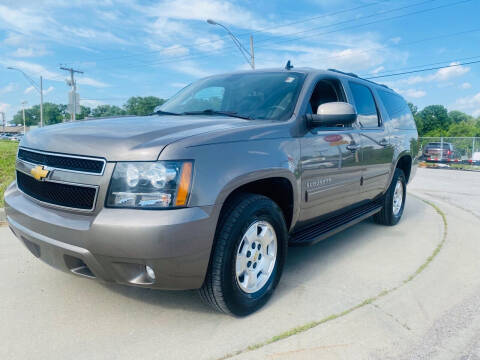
(305,262)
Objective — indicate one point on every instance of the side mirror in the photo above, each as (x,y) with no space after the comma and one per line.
(332,114)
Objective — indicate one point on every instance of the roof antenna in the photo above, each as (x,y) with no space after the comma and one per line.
(289,65)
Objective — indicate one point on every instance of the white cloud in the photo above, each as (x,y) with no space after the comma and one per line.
(190,68)
(7,88)
(31,51)
(178,84)
(4,107)
(469,104)
(32,69)
(29,90)
(413,93)
(441,75)
(49,90)
(91,82)
(466,85)
(396,40)
(378,69)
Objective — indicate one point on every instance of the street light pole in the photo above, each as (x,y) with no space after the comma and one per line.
(23,112)
(248,55)
(41,101)
(36,87)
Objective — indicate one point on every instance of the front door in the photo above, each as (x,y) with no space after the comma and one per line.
(330,160)
(331,171)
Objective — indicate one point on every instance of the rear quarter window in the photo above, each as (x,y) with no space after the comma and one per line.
(397,109)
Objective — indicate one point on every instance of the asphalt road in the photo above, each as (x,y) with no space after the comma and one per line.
(359,280)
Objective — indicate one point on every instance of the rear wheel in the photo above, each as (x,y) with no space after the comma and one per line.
(394,200)
(248,258)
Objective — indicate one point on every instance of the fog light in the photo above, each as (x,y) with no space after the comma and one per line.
(150,272)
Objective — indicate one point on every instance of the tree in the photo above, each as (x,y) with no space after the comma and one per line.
(413,108)
(52,114)
(458,116)
(107,110)
(464,128)
(138,105)
(434,120)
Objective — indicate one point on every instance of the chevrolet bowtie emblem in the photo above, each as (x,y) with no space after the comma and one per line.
(39,173)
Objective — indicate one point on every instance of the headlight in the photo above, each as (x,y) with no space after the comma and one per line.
(150,185)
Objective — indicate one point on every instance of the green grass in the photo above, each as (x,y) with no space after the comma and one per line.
(8,151)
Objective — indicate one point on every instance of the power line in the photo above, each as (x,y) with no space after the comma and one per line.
(423,70)
(421,66)
(176,47)
(266,40)
(188,57)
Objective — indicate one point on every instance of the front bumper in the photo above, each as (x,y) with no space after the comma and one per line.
(114,245)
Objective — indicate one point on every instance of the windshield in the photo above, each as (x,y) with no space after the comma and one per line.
(268,95)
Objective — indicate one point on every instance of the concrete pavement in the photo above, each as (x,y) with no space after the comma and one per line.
(49,314)
(434,316)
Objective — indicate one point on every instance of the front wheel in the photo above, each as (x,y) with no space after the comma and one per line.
(394,201)
(249,254)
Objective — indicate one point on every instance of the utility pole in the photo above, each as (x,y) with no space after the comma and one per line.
(23,111)
(73,84)
(3,120)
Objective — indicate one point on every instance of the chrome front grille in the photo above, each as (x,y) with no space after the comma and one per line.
(61,161)
(71,182)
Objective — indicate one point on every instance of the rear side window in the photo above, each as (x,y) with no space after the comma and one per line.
(398,110)
(366,107)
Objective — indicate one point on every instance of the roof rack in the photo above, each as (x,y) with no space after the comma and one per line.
(344,73)
(356,76)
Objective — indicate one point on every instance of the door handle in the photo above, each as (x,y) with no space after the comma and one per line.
(353,147)
(383,142)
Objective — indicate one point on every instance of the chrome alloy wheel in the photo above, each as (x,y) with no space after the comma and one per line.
(256,256)
(397,198)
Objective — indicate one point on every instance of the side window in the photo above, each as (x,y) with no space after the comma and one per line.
(398,110)
(366,107)
(325,91)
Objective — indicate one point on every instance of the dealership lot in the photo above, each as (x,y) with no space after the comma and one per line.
(49,314)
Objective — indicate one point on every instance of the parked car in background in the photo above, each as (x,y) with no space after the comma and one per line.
(6,136)
(437,151)
(208,192)
(16,137)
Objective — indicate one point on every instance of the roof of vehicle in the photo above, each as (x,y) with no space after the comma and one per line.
(308,70)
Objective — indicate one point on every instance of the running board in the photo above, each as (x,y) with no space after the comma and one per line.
(322,230)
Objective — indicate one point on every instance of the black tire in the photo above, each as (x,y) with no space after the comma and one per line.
(220,289)
(387,216)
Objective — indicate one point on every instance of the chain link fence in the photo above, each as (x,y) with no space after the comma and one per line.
(454,152)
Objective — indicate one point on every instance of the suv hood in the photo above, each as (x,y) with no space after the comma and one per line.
(126,138)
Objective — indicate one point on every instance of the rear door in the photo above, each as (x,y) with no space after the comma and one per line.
(377,151)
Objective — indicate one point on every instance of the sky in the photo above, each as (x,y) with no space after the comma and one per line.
(139,48)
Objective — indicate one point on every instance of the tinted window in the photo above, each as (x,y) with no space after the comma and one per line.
(398,110)
(366,108)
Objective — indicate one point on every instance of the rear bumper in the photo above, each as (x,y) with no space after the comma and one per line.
(114,245)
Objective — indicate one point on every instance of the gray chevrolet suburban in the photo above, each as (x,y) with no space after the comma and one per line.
(208,192)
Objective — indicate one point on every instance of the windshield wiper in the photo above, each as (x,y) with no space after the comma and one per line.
(216,112)
(161,112)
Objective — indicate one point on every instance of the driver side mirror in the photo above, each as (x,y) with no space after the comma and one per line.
(332,114)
